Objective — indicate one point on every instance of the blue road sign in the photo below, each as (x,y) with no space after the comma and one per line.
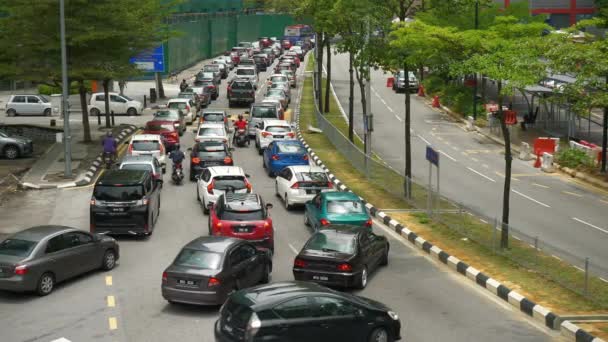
(152,60)
(432,156)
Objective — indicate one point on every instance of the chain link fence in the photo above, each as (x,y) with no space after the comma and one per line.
(531,252)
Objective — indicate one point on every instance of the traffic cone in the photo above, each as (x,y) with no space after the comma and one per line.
(390,82)
(436,102)
(537,163)
(421,91)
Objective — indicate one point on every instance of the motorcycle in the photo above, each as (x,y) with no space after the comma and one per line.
(241,138)
(108,159)
(178,175)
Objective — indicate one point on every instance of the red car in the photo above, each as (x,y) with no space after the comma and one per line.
(167,131)
(243,216)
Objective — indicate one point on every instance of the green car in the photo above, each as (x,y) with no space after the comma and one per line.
(332,208)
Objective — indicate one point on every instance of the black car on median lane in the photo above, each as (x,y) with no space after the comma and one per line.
(210,268)
(304,312)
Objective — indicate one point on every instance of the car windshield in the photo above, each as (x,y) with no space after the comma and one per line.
(213,117)
(198,259)
(278,79)
(17,247)
(177,105)
(259,59)
(290,148)
(320,177)
(275,92)
(229,215)
(241,85)
(211,150)
(227,182)
(332,242)
(278,129)
(159,127)
(264,112)
(146,145)
(205,131)
(167,114)
(118,193)
(211,68)
(141,167)
(248,72)
(345,207)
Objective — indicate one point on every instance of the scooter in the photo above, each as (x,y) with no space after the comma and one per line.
(178,175)
(241,138)
(108,159)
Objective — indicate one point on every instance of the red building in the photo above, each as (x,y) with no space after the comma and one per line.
(562,13)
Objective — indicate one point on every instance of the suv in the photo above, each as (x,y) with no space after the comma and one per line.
(259,112)
(216,180)
(119,104)
(399,84)
(143,163)
(249,73)
(12,147)
(243,216)
(271,130)
(209,153)
(240,90)
(125,202)
(148,144)
(28,104)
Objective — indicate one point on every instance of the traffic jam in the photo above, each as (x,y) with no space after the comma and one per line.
(196,142)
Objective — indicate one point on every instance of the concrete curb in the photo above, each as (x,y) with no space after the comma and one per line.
(93,170)
(535,311)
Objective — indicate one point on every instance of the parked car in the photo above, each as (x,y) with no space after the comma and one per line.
(174,115)
(343,257)
(125,202)
(258,112)
(336,208)
(280,154)
(119,104)
(272,130)
(142,163)
(187,106)
(302,312)
(209,268)
(248,72)
(399,83)
(209,153)
(148,144)
(300,184)
(240,90)
(215,69)
(37,258)
(13,146)
(244,216)
(28,105)
(213,132)
(214,181)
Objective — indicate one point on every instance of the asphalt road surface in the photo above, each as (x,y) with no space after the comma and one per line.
(434,304)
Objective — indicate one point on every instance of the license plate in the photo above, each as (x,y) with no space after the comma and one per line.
(320,278)
(312,192)
(278,137)
(186,282)
(243,230)
(118,210)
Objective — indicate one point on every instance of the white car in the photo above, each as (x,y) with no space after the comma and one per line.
(211,132)
(119,104)
(272,130)
(228,61)
(249,73)
(274,78)
(215,180)
(299,184)
(187,106)
(276,103)
(28,104)
(148,145)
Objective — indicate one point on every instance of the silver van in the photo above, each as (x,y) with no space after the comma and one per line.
(260,112)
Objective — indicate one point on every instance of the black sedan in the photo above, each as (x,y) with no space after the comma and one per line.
(209,268)
(342,256)
(37,258)
(303,312)
(209,153)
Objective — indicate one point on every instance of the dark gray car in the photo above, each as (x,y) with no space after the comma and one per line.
(209,268)
(215,69)
(12,147)
(39,257)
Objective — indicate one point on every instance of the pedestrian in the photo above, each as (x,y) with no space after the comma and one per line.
(183,86)
(122,84)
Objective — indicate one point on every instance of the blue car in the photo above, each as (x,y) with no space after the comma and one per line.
(280,154)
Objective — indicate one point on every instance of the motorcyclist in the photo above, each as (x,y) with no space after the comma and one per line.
(241,123)
(183,86)
(109,145)
(177,156)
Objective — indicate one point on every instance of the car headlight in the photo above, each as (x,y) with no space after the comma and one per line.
(393,315)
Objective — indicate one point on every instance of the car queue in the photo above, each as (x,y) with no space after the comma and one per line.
(232,265)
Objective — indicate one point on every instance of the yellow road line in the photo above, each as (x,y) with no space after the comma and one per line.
(540,185)
(572,193)
(108,280)
(111,301)
(112,323)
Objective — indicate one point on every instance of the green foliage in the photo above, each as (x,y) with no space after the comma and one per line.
(573,158)
(433,84)
(45,89)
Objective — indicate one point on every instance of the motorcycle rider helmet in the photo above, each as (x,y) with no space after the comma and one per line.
(240,116)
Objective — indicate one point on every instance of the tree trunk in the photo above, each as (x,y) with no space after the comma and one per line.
(402,10)
(408,146)
(106,92)
(328,81)
(504,236)
(320,71)
(361,83)
(421,72)
(351,99)
(604,136)
(85,113)
(483,89)
(159,85)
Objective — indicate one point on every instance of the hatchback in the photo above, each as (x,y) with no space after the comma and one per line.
(169,134)
(174,115)
(209,153)
(119,104)
(280,154)
(143,163)
(304,312)
(272,130)
(342,257)
(148,144)
(28,104)
(336,208)
(211,131)
(12,146)
(187,106)
(243,216)
(210,268)
(217,180)
(299,184)
(214,116)
(37,258)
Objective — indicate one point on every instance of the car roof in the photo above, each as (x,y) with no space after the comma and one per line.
(268,122)
(226,170)
(137,159)
(38,233)
(306,168)
(110,93)
(240,79)
(264,296)
(159,121)
(342,229)
(145,137)
(177,100)
(340,195)
(214,111)
(216,244)
(277,75)
(122,177)
(211,125)
(246,66)
(263,104)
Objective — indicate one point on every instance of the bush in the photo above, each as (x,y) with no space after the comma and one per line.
(573,158)
(44,89)
(433,84)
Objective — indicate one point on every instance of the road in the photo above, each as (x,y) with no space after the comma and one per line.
(434,304)
(564,214)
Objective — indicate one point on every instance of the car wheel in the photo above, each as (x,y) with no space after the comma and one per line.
(362,283)
(11,112)
(95,112)
(306,220)
(270,173)
(287,205)
(192,176)
(198,196)
(260,151)
(132,112)
(205,209)
(266,275)
(11,152)
(46,284)
(276,189)
(47,112)
(380,335)
(384,260)
(109,260)
(263,163)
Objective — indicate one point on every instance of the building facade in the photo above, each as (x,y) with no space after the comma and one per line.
(562,13)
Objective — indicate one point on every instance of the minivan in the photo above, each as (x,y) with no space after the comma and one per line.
(259,112)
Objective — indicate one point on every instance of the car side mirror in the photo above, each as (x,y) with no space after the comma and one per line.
(247,175)
(159,182)
(269,205)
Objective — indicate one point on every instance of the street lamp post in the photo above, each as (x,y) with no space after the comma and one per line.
(64,97)
(475,74)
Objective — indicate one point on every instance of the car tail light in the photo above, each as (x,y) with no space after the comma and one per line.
(164,277)
(195,160)
(368,223)
(266,134)
(324,222)
(213,281)
(146,227)
(130,149)
(296,185)
(229,89)
(21,270)
(210,188)
(291,134)
(93,201)
(227,160)
(330,185)
(162,148)
(249,186)
(344,267)
(299,263)
(92,228)
(275,157)
(305,157)
(187,108)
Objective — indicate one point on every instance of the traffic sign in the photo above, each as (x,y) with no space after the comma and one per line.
(432,156)
(152,60)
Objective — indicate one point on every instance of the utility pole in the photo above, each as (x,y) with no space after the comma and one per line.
(407,186)
(368,102)
(64,95)
(475,74)
(604,136)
